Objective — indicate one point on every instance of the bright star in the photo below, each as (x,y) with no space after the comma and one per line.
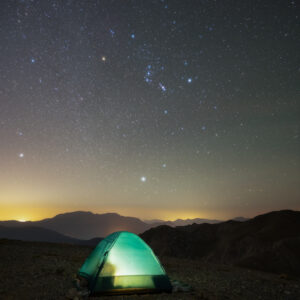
(143,179)
(103,58)
(189,80)
(133,36)
(21,155)
(164,165)
(162,87)
(112,32)
(165,112)
(32,60)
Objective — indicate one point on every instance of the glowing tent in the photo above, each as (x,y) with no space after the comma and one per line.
(123,263)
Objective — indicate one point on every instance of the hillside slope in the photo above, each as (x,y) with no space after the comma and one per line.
(270,242)
(85,225)
(31,233)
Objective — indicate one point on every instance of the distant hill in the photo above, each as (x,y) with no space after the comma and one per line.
(240,219)
(86,225)
(181,222)
(154,221)
(270,242)
(31,233)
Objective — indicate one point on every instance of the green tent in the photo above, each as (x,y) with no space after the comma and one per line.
(123,263)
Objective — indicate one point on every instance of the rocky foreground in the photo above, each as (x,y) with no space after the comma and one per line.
(268,242)
(32,270)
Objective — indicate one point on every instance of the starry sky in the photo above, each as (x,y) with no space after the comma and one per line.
(154,109)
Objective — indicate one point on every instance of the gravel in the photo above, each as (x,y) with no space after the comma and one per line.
(33,270)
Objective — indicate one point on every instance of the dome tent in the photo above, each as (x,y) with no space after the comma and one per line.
(123,263)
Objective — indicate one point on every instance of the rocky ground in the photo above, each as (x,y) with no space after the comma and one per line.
(32,270)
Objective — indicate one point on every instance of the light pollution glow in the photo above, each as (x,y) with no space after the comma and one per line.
(148,110)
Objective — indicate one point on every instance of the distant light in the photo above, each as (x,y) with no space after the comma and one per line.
(112,32)
(143,179)
(133,36)
(162,87)
(32,60)
(21,155)
(189,80)
(165,112)
(164,165)
(103,58)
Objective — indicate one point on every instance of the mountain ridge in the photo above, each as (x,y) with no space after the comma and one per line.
(38,234)
(87,225)
(270,242)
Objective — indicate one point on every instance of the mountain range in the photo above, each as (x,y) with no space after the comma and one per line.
(270,242)
(31,233)
(181,222)
(87,225)
(84,225)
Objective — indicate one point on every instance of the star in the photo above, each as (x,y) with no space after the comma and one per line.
(162,87)
(189,80)
(103,58)
(112,32)
(132,36)
(143,179)
(21,155)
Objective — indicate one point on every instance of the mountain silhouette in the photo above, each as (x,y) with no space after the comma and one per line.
(270,242)
(181,222)
(35,234)
(85,225)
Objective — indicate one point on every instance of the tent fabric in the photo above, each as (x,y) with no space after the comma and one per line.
(124,263)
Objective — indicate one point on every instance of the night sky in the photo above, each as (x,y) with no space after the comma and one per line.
(154,109)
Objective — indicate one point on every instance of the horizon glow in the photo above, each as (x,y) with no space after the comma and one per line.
(147,110)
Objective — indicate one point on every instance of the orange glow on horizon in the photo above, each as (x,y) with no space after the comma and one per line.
(31,213)
(34,213)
